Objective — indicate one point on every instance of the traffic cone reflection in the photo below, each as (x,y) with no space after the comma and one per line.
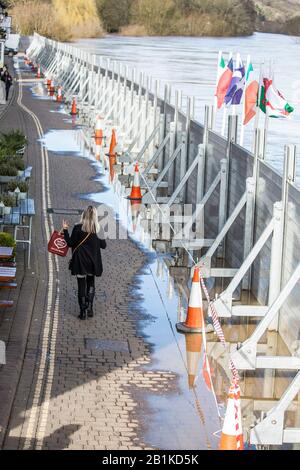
(59,96)
(232,433)
(74,108)
(112,162)
(38,74)
(207,372)
(136,192)
(194,320)
(98,131)
(98,152)
(135,212)
(52,88)
(193,355)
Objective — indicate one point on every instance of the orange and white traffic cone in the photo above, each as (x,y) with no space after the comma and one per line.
(194,320)
(59,96)
(98,131)
(113,144)
(136,193)
(193,356)
(38,74)
(232,433)
(48,83)
(74,108)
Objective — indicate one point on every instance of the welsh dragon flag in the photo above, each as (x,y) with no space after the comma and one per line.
(272,102)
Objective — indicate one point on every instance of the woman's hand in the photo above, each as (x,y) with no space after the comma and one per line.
(65,225)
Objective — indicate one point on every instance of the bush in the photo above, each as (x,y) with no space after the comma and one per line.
(16,162)
(156,16)
(9,201)
(7,170)
(6,239)
(133,30)
(114,13)
(13,161)
(12,141)
(22,185)
(61,20)
(292,26)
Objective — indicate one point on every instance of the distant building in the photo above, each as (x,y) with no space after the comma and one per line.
(5,23)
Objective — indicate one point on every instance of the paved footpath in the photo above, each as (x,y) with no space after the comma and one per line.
(57,393)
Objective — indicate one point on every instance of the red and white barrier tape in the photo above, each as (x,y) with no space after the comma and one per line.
(217,326)
(235,379)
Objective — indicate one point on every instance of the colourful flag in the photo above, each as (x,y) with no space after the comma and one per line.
(236,88)
(249,70)
(272,102)
(251,95)
(223,83)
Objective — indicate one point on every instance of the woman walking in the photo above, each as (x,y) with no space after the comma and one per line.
(86,262)
(8,81)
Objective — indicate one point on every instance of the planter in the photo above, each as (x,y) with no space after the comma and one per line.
(7,179)
(22,196)
(6,210)
(20,173)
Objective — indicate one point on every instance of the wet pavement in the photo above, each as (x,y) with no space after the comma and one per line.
(126,379)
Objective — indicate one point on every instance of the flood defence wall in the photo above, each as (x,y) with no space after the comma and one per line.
(269,192)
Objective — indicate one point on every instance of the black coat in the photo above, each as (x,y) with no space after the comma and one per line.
(7,80)
(87,258)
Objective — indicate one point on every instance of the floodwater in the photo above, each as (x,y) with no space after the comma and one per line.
(190,64)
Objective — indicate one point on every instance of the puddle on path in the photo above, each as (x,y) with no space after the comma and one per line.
(62,142)
(38,91)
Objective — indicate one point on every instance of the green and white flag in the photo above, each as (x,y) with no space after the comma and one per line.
(248,71)
(272,102)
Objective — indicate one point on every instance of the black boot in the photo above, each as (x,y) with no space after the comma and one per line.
(83,307)
(90,300)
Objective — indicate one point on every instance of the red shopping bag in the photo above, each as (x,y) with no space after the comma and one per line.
(57,244)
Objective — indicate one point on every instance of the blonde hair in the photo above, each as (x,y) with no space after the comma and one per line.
(89,220)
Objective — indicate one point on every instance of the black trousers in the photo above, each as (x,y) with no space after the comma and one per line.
(85,284)
(7,92)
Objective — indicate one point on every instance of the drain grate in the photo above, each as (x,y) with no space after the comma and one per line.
(106,345)
(51,210)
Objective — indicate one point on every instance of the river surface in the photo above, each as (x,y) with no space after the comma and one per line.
(190,64)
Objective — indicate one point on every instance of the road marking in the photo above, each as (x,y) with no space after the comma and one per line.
(39,412)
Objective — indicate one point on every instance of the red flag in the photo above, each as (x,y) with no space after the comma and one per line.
(223,83)
(250,101)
